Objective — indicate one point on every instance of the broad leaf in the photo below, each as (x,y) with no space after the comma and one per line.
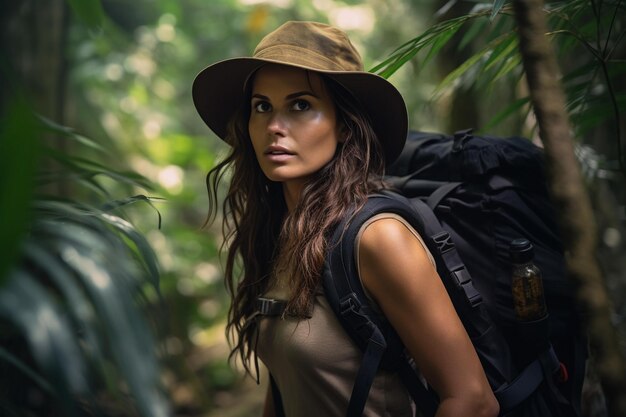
(19,153)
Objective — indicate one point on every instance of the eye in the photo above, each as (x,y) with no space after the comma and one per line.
(261,106)
(300,105)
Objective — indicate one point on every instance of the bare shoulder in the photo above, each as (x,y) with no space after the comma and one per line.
(387,236)
(389,251)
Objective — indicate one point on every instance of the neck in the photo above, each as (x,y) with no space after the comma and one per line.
(292,192)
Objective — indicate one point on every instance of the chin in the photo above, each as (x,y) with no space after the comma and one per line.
(275,176)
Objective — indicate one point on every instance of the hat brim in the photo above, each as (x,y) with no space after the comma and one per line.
(218,92)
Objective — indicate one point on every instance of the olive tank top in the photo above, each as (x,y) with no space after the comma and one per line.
(314,362)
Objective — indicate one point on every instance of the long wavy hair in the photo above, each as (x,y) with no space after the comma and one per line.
(262,236)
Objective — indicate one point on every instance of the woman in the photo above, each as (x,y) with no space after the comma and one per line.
(311,133)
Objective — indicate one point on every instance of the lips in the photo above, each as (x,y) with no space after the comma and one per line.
(278,154)
(277,150)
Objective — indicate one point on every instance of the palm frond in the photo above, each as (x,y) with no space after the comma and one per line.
(69,132)
(434,37)
(86,309)
(26,303)
(577,27)
(497,6)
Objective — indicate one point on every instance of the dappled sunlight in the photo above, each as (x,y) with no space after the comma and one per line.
(162,247)
(164,89)
(114,72)
(274,3)
(186,286)
(209,309)
(207,272)
(166,30)
(128,104)
(140,63)
(126,85)
(171,177)
(111,123)
(151,128)
(208,337)
(97,274)
(355,18)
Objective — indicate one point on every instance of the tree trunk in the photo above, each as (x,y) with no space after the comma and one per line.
(571,199)
(459,109)
(32,38)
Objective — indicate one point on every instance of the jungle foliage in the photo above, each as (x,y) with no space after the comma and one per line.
(109,307)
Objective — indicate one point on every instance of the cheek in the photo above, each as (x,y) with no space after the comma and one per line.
(254,138)
(326,139)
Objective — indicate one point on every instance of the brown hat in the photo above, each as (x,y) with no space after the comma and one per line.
(218,90)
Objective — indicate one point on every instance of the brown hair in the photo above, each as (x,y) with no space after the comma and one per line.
(264,237)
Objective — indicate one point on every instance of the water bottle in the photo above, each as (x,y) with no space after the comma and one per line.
(526,282)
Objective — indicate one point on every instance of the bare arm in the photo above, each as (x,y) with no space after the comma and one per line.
(396,270)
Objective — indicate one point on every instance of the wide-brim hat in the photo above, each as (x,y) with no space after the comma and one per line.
(218,90)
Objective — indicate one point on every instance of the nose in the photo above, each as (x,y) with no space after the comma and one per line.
(277,124)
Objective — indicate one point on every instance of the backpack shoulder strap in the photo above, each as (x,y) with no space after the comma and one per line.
(440,193)
(276,398)
(367,328)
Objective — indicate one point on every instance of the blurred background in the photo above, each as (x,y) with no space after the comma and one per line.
(116,147)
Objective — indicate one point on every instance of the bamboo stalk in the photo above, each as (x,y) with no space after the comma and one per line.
(572,201)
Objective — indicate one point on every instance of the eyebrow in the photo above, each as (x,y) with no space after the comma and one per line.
(289,97)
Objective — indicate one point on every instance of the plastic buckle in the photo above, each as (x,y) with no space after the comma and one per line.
(443,241)
(270,306)
(349,303)
(460,137)
(464,281)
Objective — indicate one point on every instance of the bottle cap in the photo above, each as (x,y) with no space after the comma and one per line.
(521,251)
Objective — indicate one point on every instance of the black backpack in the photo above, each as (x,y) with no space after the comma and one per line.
(469,197)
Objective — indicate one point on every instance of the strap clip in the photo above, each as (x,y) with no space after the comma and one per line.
(444,242)
(464,282)
(270,306)
(349,304)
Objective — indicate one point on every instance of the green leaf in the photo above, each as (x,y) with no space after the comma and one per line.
(504,47)
(112,205)
(72,134)
(147,255)
(33,310)
(19,154)
(41,255)
(456,74)
(89,12)
(497,6)
(440,41)
(500,48)
(89,265)
(409,49)
(595,111)
(87,168)
(477,27)
(395,66)
(133,346)
(508,111)
(104,224)
(507,66)
(397,54)
(33,375)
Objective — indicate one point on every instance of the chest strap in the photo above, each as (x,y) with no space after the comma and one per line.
(270,306)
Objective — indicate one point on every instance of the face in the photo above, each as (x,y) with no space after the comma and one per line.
(292,124)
